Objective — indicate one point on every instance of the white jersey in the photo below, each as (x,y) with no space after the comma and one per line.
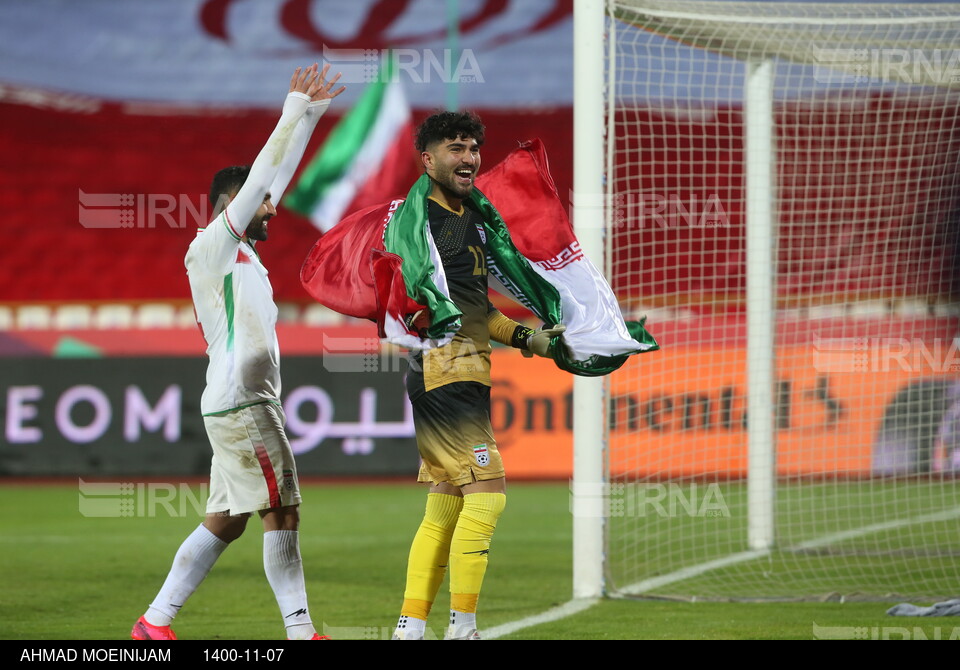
(238,319)
(231,291)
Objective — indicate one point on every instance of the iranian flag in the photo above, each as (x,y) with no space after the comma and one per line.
(382,264)
(368,155)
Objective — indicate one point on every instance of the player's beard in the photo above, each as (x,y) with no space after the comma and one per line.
(446,178)
(257,230)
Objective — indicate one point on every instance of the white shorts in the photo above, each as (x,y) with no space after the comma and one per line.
(253,467)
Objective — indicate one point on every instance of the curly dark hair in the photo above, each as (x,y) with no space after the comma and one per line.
(449,126)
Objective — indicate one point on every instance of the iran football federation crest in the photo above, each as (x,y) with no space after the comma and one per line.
(481,454)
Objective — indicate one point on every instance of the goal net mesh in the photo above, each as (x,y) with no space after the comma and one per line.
(865,195)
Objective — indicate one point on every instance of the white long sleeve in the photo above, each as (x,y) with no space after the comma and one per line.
(301,136)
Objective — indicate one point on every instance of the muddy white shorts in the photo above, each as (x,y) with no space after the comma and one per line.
(253,467)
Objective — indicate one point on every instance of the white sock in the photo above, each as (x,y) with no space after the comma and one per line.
(463,621)
(412,627)
(193,561)
(284,568)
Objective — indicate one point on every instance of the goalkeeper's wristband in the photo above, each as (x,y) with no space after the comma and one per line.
(520,336)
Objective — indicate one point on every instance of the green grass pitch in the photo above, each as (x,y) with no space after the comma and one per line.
(71,577)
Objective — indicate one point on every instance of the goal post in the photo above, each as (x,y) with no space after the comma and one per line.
(760,196)
(780,187)
(587,499)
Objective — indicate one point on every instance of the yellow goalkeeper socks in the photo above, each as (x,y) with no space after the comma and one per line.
(470,546)
(429,554)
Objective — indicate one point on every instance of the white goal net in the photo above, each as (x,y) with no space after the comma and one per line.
(784,184)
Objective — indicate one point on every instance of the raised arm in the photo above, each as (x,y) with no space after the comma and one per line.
(304,85)
(319,103)
(215,250)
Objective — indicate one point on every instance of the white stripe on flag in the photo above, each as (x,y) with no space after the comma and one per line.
(393,114)
(591,312)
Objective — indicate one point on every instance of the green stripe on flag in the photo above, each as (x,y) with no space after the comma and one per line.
(228,303)
(339,149)
(406,236)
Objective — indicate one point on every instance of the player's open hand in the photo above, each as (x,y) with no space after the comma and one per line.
(325,90)
(303,79)
(313,82)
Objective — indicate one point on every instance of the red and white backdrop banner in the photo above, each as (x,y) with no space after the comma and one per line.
(115,115)
(509,53)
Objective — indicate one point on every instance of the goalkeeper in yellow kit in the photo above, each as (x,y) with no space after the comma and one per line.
(449,388)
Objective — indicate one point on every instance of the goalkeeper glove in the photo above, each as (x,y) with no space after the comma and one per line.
(418,322)
(539,341)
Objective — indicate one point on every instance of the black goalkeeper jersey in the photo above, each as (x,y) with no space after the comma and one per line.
(462,245)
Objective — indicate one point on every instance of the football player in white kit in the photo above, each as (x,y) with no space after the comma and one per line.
(252,468)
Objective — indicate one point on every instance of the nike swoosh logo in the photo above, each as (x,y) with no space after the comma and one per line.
(481,552)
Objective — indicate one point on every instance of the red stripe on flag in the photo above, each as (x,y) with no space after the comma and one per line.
(267,467)
(522,190)
(391,291)
(349,244)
